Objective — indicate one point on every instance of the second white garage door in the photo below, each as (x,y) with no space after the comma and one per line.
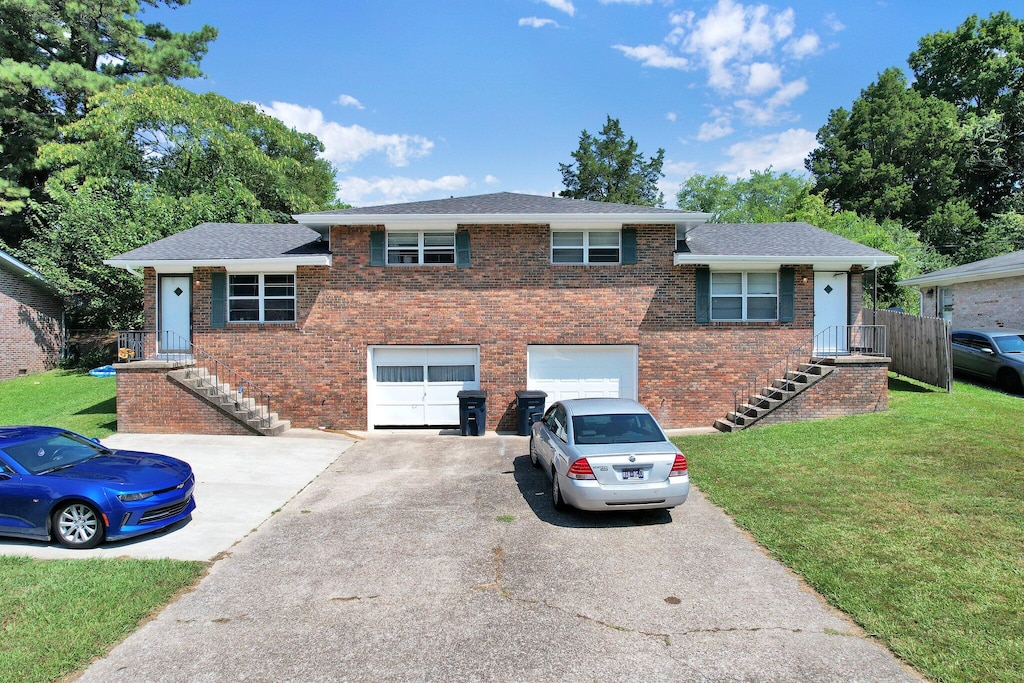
(583,371)
(418,385)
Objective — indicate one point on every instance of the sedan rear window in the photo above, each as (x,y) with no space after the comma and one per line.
(631,428)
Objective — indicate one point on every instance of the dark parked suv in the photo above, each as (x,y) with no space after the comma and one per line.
(993,354)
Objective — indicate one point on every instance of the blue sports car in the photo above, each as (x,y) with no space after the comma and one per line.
(55,484)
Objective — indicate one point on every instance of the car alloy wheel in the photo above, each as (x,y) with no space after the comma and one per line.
(556,491)
(78,525)
(533,454)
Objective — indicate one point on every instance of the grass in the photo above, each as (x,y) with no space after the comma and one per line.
(61,398)
(56,616)
(911,521)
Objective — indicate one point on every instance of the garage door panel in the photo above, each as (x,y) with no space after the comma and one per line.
(583,371)
(440,374)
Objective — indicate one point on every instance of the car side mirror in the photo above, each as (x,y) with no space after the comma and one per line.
(988,351)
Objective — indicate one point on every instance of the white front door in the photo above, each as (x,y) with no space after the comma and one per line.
(578,371)
(419,385)
(175,328)
(830,312)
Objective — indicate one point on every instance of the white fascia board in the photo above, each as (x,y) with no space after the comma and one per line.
(938,280)
(450,221)
(21,268)
(272,265)
(837,263)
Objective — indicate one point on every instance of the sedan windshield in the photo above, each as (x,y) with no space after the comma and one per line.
(1010,343)
(599,429)
(53,452)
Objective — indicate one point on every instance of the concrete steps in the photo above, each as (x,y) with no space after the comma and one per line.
(219,394)
(770,398)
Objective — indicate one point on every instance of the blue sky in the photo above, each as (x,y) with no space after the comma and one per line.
(417,99)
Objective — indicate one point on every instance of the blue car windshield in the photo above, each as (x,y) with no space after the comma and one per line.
(1010,343)
(53,452)
(603,429)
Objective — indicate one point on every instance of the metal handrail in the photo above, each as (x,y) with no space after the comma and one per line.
(838,340)
(134,345)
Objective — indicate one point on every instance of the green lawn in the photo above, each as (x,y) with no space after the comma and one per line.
(70,399)
(911,521)
(56,616)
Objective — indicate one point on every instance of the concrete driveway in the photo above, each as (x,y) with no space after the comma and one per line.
(240,481)
(439,558)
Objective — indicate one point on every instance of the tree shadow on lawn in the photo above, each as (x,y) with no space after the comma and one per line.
(107,407)
(535,488)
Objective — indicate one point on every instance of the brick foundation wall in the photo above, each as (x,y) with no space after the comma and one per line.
(856,386)
(512,297)
(148,402)
(30,334)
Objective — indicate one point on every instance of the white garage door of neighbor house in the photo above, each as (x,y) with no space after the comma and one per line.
(419,386)
(583,371)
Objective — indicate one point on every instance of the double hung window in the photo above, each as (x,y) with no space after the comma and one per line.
(586,247)
(420,248)
(744,296)
(261,298)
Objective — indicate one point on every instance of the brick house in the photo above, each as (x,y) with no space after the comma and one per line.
(372,317)
(987,293)
(31,317)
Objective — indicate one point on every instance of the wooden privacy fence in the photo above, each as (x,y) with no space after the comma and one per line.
(919,347)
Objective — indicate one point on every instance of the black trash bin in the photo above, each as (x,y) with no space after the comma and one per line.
(529,409)
(473,412)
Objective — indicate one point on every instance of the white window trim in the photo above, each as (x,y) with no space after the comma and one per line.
(261,298)
(586,248)
(743,296)
(420,248)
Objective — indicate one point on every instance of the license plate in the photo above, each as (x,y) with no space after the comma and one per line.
(632,474)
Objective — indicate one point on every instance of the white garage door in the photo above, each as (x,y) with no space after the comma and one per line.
(583,371)
(419,385)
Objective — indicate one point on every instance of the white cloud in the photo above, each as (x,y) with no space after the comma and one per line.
(653,55)
(537,22)
(772,110)
(491,180)
(349,101)
(626,2)
(679,168)
(787,93)
(344,145)
(671,116)
(763,77)
(805,45)
(368,191)
(783,151)
(561,5)
(713,130)
(833,24)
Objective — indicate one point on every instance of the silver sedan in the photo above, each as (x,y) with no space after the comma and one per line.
(608,454)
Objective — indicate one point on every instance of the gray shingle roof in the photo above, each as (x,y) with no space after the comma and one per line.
(502,203)
(1006,265)
(773,239)
(228,241)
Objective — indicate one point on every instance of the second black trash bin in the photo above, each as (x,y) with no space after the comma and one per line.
(529,409)
(472,412)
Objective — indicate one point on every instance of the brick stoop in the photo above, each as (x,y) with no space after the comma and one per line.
(770,398)
(208,388)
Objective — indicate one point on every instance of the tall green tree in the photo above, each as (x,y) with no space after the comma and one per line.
(764,197)
(609,168)
(55,54)
(146,162)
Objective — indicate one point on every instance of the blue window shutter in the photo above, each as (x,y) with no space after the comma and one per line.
(462,256)
(703,294)
(628,246)
(218,299)
(377,248)
(787,298)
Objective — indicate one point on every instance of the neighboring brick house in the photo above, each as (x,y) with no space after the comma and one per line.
(30,320)
(988,293)
(371,317)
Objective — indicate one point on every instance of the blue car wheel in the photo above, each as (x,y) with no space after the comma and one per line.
(78,525)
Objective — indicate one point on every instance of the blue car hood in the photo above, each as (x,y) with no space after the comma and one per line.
(129,468)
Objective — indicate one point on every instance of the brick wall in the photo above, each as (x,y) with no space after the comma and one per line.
(148,402)
(989,303)
(511,297)
(856,386)
(30,334)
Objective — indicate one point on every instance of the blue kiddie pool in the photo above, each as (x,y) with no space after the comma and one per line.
(104,371)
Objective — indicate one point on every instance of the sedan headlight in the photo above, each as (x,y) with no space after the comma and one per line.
(129,497)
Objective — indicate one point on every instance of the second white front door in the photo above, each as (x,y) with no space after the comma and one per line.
(175,329)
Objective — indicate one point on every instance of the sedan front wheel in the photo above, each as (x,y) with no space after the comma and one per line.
(78,525)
